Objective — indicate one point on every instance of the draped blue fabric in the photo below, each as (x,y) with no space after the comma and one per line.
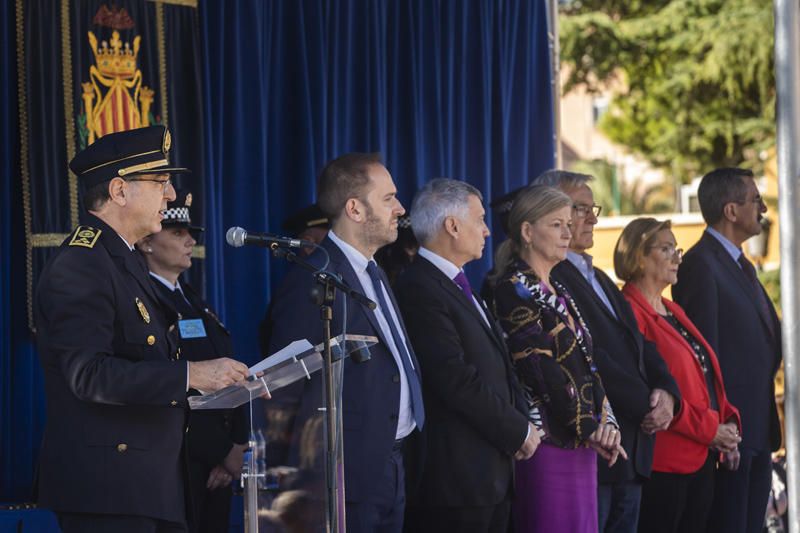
(457,88)
(21,388)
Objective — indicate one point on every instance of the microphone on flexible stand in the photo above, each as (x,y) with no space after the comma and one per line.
(238,237)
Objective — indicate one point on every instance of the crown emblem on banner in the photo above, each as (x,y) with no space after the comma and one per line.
(114,98)
(114,58)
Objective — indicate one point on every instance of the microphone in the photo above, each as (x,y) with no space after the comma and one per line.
(237,237)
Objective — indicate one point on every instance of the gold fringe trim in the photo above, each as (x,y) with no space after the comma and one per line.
(24,169)
(187,3)
(69,109)
(198,252)
(47,240)
(162,62)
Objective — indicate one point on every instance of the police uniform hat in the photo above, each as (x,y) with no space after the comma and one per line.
(177,213)
(124,154)
(308,217)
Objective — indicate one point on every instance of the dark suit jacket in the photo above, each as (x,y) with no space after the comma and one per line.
(683,448)
(371,392)
(718,298)
(475,408)
(115,392)
(630,366)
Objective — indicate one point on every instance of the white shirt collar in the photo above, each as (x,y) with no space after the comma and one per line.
(448,268)
(356,258)
(167,283)
(131,248)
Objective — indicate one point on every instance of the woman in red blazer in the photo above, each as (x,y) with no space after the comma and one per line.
(706,428)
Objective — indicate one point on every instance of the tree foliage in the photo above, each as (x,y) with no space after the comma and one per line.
(698,86)
(621,198)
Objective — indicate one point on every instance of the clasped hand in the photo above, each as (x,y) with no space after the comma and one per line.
(606,441)
(662,406)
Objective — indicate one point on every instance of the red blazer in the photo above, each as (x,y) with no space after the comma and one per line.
(683,448)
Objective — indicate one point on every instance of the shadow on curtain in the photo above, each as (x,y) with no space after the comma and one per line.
(441,88)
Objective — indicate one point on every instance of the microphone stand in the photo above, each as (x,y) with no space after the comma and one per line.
(324,295)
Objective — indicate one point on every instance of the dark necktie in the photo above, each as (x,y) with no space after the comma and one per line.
(462,281)
(750,272)
(414,386)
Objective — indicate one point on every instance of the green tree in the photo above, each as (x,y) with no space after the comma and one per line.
(624,199)
(698,87)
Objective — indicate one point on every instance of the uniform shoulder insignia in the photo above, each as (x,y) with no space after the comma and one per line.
(85,236)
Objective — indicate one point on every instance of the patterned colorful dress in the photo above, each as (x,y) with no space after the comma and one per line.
(556,490)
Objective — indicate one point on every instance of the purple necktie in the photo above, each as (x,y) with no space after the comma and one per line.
(462,281)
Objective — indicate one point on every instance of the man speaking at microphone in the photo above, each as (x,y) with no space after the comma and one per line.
(111,457)
(381,398)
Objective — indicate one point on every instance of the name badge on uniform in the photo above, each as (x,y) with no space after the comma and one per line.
(192,328)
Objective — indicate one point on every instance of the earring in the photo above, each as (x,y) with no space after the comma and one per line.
(149,250)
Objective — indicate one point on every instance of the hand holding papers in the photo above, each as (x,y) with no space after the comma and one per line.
(296,361)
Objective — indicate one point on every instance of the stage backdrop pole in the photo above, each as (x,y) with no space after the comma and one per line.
(787,77)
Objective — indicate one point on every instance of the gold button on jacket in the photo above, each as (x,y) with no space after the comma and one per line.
(122,447)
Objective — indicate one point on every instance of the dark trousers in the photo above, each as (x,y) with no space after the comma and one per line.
(384,513)
(678,503)
(740,499)
(489,519)
(101,523)
(618,506)
(210,508)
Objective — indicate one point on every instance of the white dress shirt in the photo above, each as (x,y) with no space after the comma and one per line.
(405,418)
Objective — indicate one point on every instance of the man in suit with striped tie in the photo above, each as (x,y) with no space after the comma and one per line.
(476,411)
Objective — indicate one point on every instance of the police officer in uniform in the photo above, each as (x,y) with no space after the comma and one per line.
(215,439)
(115,381)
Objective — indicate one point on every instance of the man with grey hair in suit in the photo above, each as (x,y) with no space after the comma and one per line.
(637,381)
(477,414)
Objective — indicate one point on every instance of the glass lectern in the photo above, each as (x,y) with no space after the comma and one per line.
(292,479)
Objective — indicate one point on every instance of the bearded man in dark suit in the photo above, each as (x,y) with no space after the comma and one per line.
(381,398)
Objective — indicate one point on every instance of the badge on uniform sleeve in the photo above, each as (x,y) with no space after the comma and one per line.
(192,328)
(143,311)
(85,236)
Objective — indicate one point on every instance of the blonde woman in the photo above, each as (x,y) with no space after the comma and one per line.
(556,490)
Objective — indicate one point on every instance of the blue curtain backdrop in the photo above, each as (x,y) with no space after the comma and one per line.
(457,88)
(21,388)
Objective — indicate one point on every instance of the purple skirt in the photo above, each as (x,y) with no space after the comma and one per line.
(556,491)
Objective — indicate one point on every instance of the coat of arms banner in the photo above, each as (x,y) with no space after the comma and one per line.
(87,68)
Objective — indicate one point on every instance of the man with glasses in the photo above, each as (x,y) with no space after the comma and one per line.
(718,288)
(636,379)
(111,458)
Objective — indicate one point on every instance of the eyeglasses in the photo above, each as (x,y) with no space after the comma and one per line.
(163,182)
(669,251)
(758,200)
(582,211)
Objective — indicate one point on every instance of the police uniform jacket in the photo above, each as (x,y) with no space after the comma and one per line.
(211,433)
(115,390)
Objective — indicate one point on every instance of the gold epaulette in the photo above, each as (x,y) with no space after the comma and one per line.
(85,236)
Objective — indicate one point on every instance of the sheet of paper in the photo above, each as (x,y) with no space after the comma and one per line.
(291,350)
